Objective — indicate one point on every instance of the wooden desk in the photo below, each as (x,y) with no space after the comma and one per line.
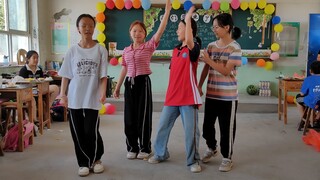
(22,94)
(42,103)
(285,86)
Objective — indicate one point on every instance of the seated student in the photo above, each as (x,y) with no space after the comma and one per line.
(32,70)
(310,91)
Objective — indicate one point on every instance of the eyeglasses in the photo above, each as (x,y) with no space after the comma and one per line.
(214,27)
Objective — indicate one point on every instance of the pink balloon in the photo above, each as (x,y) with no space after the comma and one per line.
(114,61)
(128,4)
(110,109)
(215,5)
(274,56)
(235,4)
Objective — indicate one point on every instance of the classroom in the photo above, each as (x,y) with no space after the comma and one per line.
(268,144)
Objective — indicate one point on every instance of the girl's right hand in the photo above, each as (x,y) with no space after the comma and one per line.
(168,6)
(64,101)
(190,12)
(116,93)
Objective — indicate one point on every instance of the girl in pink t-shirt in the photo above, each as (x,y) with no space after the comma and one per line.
(138,97)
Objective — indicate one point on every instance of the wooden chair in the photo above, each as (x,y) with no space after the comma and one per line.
(21,57)
(307,119)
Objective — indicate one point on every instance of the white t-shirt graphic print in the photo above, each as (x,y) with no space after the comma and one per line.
(84,67)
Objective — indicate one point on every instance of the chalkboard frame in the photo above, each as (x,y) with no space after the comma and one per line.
(165,54)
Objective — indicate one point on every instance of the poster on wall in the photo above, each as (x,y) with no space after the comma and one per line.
(60,37)
(314,36)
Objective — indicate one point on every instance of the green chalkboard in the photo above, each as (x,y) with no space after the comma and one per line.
(250,22)
(117,24)
(169,38)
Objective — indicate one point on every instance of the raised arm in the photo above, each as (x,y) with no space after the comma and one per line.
(189,37)
(163,24)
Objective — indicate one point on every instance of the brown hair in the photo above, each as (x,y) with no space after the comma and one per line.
(140,24)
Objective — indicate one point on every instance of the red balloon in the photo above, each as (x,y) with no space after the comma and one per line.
(114,61)
(110,4)
(110,109)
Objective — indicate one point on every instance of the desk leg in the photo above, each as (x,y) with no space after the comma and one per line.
(20,127)
(279,102)
(40,112)
(285,104)
(31,118)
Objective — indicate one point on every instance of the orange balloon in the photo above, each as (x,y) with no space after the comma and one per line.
(136,4)
(100,17)
(261,62)
(119,4)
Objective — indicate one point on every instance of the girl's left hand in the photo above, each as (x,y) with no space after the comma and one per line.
(204,56)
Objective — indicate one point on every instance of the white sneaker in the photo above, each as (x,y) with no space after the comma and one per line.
(153,160)
(83,171)
(131,155)
(226,165)
(98,167)
(143,155)
(195,168)
(208,155)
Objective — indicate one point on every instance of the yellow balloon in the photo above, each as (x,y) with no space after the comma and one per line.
(244,5)
(268,66)
(252,5)
(275,47)
(102,44)
(278,28)
(269,9)
(100,27)
(101,38)
(120,60)
(262,4)
(176,4)
(102,109)
(100,6)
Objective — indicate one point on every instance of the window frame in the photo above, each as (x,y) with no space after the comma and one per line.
(10,33)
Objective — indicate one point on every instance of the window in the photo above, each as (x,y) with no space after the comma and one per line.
(14,29)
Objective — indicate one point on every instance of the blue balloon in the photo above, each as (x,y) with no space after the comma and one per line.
(276,20)
(244,60)
(184,55)
(206,4)
(146,4)
(187,5)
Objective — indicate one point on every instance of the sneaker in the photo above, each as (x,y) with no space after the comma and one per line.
(195,168)
(209,154)
(83,171)
(154,159)
(98,167)
(131,155)
(226,165)
(143,155)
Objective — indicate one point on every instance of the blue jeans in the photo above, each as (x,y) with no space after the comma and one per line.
(189,116)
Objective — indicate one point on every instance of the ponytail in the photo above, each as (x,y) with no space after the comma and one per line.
(236,33)
(198,41)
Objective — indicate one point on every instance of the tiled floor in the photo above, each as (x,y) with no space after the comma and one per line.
(264,149)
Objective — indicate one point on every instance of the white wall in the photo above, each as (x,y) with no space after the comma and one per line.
(288,10)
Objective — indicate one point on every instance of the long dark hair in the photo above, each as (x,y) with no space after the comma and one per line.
(225,19)
(194,30)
